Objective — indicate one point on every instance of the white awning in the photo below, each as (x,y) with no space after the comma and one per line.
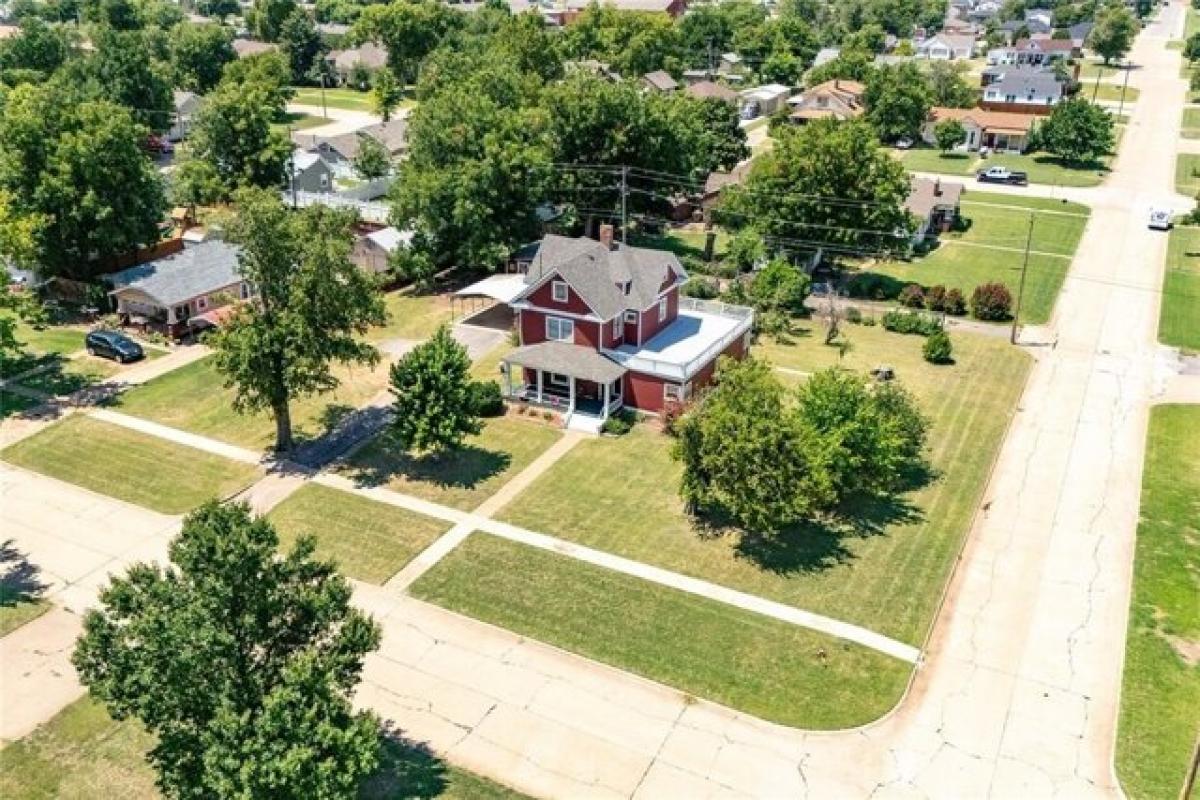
(502,288)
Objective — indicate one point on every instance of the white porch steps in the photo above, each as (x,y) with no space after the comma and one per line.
(584,423)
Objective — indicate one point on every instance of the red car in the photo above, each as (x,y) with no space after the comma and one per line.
(158,144)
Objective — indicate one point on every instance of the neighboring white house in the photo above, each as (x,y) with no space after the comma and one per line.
(1021,87)
(947,47)
(186,106)
(764,100)
(1002,56)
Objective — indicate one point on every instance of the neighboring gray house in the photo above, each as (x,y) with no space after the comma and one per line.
(340,151)
(370,55)
(309,172)
(1021,89)
(169,293)
(186,106)
(372,250)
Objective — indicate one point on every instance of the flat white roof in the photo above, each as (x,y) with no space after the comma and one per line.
(677,351)
(503,288)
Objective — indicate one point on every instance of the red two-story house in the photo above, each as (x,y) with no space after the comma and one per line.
(602,325)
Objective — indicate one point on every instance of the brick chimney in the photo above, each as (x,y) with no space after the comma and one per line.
(606,235)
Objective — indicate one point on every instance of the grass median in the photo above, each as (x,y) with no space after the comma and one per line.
(763,666)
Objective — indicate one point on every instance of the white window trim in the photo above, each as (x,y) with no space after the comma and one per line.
(632,317)
(557,379)
(569,329)
(662,309)
(558,288)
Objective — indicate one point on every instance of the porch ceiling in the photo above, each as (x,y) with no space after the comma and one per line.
(567,359)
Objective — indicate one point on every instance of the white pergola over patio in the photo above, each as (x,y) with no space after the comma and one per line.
(565,359)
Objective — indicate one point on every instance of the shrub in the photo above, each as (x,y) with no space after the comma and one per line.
(911,322)
(935,298)
(912,296)
(955,303)
(701,288)
(673,411)
(870,286)
(853,315)
(937,349)
(548,415)
(619,423)
(486,398)
(991,301)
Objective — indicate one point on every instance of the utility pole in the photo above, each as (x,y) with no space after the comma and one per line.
(1012,337)
(1096,85)
(324,105)
(292,166)
(624,204)
(1124,86)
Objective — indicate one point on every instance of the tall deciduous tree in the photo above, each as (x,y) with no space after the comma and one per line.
(949,134)
(312,307)
(265,18)
(898,101)
(233,133)
(300,43)
(948,85)
(199,54)
(409,29)
(372,160)
(1113,34)
(269,71)
(126,72)
(433,408)
(79,169)
(386,93)
(38,47)
(241,661)
(1077,131)
(826,183)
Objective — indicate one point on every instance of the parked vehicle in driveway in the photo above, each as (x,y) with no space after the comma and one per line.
(1002,175)
(114,345)
(156,144)
(1160,219)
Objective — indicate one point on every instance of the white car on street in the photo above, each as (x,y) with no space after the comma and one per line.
(1160,219)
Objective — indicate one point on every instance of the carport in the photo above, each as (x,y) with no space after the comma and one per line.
(485,303)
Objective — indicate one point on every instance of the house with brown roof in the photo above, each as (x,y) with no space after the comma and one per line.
(837,98)
(998,131)
(659,81)
(249,47)
(702,90)
(933,205)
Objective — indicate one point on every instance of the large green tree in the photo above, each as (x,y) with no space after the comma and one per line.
(1113,34)
(409,29)
(199,54)
(898,101)
(300,43)
(311,308)
(1077,131)
(827,184)
(242,662)
(233,132)
(265,18)
(39,48)
(948,85)
(89,208)
(631,43)
(127,73)
(433,409)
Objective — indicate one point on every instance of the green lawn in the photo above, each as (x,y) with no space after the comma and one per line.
(706,648)
(1111,92)
(412,316)
(370,541)
(1002,226)
(1093,67)
(487,366)
(1045,168)
(61,339)
(683,242)
(1160,696)
(334,98)
(929,159)
(1179,319)
(298,121)
(84,753)
(193,398)
(884,572)
(462,478)
(1191,123)
(129,465)
(18,608)
(1187,173)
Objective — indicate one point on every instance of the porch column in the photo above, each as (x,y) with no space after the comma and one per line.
(571,396)
(539,373)
(604,413)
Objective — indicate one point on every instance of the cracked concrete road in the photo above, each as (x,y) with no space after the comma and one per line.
(1019,692)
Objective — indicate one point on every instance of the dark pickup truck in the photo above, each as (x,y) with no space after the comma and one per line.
(1002,175)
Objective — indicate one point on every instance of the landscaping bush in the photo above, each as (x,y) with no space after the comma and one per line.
(935,298)
(912,322)
(701,288)
(912,296)
(938,349)
(872,286)
(955,303)
(619,423)
(486,398)
(853,315)
(991,301)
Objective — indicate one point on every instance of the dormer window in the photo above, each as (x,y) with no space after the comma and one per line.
(558,291)
(625,287)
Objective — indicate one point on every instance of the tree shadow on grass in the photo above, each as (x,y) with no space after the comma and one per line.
(463,468)
(406,769)
(19,577)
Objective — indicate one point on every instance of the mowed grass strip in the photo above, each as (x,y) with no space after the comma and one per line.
(83,753)
(1191,123)
(1048,169)
(1187,173)
(194,398)
(16,611)
(1179,317)
(412,316)
(885,572)
(1160,696)
(129,465)
(765,667)
(369,541)
(461,478)
(1004,226)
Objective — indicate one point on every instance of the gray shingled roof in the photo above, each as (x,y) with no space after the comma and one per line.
(567,359)
(661,80)
(194,271)
(1027,85)
(597,273)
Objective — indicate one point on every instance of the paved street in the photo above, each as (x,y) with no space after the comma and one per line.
(1018,693)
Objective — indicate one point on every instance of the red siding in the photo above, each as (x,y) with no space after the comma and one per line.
(645,392)
(650,323)
(533,329)
(610,340)
(631,332)
(544,298)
